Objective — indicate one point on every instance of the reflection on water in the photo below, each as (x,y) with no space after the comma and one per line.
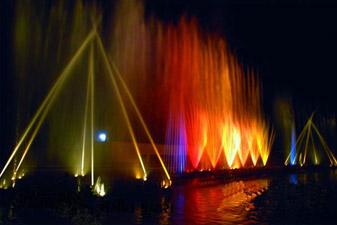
(218,204)
(293,179)
(297,198)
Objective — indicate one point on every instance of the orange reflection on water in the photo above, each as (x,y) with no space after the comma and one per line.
(219,204)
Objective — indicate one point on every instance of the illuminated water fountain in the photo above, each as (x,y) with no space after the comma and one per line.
(34,126)
(209,103)
(176,76)
(310,144)
(215,118)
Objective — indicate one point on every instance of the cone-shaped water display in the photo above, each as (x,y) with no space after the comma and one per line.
(212,103)
(170,97)
(310,147)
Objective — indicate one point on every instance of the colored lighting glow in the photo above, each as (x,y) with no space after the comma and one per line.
(293,147)
(212,104)
(215,111)
(92,91)
(120,100)
(140,117)
(45,106)
(306,144)
(177,132)
(182,147)
(213,108)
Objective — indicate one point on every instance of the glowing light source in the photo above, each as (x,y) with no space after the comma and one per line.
(165,184)
(99,188)
(102,136)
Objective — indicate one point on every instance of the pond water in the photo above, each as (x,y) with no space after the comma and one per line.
(295,198)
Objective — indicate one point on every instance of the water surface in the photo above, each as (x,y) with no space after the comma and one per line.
(295,198)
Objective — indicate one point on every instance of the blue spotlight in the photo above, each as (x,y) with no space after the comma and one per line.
(293,147)
(101,136)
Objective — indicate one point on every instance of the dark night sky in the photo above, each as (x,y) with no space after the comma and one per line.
(293,45)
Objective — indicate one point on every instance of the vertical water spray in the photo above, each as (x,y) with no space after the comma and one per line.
(85,123)
(92,91)
(217,100)
(293,146)
(199,83)
(48,100)
(187,78)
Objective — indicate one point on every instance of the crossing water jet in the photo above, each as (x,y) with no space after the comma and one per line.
(49,98)
(305,144)
(121,102)
(203,104)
